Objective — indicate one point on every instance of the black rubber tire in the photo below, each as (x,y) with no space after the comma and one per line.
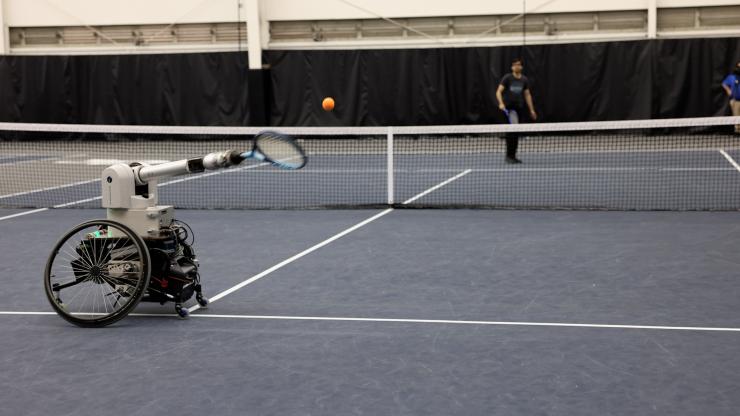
(130,301)
(182,313)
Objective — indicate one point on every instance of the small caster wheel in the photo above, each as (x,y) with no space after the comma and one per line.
(183,313)
(203,302)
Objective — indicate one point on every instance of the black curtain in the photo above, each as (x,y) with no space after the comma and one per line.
(689,73)
(570,82)
(166,89)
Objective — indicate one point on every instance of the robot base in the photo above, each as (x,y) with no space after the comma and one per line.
(174,268)
(146,222)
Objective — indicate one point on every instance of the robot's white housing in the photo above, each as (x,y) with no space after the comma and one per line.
(129,192)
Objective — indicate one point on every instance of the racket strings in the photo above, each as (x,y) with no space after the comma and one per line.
(280,150)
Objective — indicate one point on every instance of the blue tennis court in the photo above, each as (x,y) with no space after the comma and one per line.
(439,311)
(356,207)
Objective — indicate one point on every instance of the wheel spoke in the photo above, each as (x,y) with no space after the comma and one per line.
(59,286)
(76,294)
(87,254)
(97,251)
(87,295)
(72,258)
(94,249)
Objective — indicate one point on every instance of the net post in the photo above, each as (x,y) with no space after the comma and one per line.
(389,142)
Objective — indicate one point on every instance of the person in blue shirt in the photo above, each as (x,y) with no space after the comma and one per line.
(731,85)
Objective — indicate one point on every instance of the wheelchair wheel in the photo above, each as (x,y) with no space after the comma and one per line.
(97,273)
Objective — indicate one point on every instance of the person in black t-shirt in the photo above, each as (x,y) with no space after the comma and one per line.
(515,98)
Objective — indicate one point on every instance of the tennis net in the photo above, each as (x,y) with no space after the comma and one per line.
(681,164)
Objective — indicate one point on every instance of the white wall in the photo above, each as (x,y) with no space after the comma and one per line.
(114,12)
(697,3)
(39,13)
(339,9)
(4,47)
(118,12)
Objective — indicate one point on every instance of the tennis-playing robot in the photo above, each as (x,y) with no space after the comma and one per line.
(100,270)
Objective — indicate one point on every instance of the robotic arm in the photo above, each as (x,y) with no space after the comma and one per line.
(211,161)
(135,186)
(129,192)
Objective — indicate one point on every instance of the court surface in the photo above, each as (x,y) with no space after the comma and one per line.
(438,312)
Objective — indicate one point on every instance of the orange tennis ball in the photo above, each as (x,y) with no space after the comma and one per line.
(328,104)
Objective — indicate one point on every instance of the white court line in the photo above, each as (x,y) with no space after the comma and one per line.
(435,187)
(730,159)
(50,188)
(20,214)
(28,161)
(324,243)
(596,169)
(295,257)
(512,169)
(217,172)
(172,182)
(460,322)
(410,321)
(81,201)
(495,152)
(26,313)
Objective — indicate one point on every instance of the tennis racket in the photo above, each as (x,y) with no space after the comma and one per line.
(512,116)
(277,149)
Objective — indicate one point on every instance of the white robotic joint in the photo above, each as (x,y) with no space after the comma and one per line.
(220,160)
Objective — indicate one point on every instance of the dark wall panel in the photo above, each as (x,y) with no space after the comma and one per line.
(570,82)
(689,73)
(180,89)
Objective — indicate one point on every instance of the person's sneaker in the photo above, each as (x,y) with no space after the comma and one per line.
(513,160)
